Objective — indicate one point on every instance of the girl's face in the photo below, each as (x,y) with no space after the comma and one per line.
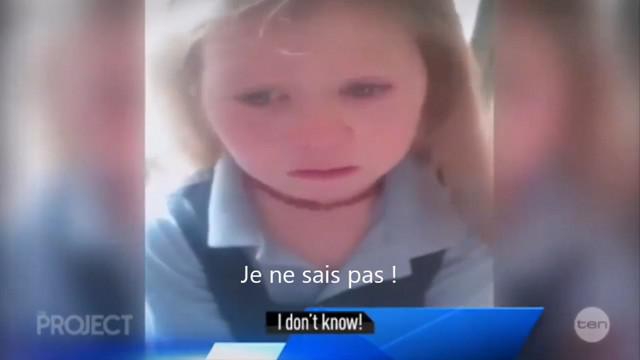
(318,107)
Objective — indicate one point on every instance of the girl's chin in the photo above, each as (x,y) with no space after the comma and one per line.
(325,193)
(321,198)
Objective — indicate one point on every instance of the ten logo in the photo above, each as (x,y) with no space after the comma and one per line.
(592,324)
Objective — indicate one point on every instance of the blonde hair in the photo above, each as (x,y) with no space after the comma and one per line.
(451,137)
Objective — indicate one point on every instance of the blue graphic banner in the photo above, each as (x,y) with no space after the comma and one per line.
(423,333)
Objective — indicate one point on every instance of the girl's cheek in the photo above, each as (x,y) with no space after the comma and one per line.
(247,145)
(249,132)
(396,116)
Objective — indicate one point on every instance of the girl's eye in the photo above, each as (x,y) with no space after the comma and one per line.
(365,90)
(261,98)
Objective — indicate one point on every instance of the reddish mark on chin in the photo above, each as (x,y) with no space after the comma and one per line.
(323,174)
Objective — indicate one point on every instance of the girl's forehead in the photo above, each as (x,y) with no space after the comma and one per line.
(328,30)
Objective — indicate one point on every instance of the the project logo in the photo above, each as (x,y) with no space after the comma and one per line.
(592,324)
(83,325)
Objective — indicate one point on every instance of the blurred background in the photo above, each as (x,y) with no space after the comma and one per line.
(79,146)
(73,179)
(566,170)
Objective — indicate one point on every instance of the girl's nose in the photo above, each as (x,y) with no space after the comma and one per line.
(320,127)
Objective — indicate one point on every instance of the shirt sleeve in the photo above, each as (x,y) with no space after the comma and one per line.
(178,301)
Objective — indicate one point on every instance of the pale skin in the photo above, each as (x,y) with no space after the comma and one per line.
(343,87)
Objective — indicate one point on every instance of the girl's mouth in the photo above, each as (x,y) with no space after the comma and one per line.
(323,174)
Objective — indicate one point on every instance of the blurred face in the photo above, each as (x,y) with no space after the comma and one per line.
(317,108)
(531,102)
(98,95)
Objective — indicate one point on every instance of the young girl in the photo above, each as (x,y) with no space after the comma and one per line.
(339,122)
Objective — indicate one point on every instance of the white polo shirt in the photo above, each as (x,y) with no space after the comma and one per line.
(413,218)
